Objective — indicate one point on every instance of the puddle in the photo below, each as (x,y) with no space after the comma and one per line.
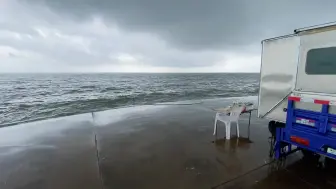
(234,143)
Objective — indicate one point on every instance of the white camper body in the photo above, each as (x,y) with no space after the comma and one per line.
(302,64)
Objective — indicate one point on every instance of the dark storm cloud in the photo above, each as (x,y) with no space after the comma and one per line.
(201,24)
(132,35)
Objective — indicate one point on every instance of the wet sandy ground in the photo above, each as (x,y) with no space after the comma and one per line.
(162,146)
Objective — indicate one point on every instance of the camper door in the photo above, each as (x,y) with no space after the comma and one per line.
(317,62)
(278,74)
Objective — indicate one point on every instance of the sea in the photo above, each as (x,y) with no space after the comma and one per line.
(31,97)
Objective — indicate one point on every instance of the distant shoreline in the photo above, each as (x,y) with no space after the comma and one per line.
(129,73)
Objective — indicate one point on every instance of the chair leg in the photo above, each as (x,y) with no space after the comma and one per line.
(228,130)
(237,129)
(215,127)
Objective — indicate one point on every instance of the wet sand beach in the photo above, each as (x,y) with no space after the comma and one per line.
(159,146)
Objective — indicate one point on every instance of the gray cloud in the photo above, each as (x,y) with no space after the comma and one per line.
(113,35)
(199,24)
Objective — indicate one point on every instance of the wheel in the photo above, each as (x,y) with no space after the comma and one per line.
(272,125)
(330,164)
(272,128)
(309,155)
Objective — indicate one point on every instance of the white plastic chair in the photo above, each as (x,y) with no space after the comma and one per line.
(228,119)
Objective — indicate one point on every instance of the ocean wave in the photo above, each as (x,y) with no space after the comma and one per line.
(109,89)
(88,87)
(62,108)
(74,91)
(20,88)
(256,90)
(25,105)
(74,94)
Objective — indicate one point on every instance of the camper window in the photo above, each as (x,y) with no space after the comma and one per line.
(321,61)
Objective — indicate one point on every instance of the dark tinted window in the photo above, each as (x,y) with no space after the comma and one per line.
(321,61)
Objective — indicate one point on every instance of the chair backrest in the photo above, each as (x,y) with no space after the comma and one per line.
(236,111)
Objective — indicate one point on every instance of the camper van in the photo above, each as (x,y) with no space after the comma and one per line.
(298,90)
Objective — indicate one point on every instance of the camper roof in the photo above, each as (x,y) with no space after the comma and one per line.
(307,30)
(317,28)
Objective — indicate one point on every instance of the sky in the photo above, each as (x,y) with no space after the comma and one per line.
(147,35)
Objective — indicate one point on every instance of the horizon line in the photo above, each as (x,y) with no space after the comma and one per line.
(127,72)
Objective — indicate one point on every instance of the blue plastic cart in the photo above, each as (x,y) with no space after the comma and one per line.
(308,130)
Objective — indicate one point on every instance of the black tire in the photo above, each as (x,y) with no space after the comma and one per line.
(330,164)
(309,155)
(272,128)
(273,125)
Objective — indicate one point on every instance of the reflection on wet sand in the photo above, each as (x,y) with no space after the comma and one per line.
(145,147)
(301,173)
(232,144)
(292,172)
(228,147)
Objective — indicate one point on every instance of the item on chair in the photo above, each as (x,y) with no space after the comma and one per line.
(228,119)
(248,106)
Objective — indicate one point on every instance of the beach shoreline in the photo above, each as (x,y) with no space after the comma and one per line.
(182,102)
